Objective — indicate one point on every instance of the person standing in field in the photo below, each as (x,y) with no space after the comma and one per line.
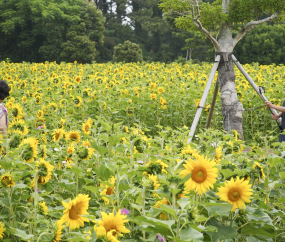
(281,114)
(4,120)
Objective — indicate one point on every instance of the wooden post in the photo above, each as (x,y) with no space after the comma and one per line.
(212,105)
(203,99)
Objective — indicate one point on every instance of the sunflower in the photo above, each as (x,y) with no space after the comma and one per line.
(53,106)
(108,190)
(86,126)
(7,180)
(58,134)
(16,111)
(203,174)
(160,90)
(24,99)
(59,228)
(164,201)
(162,101)
(236,193)
(156,167)
(45,172)
(19,127)
(154,180)
(77,101)
(152,96)
(73,136)
(42,152)
(70,148)
(85,153)
(2,230)
(86,143)
(218,154)
(89,121)
(77,79)
(63,103)
(190,151)
(257,167)
(73,211)
(44,208)
(29,149)
(40,113)
(114,223)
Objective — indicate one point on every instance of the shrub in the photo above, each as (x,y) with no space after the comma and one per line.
(128,52)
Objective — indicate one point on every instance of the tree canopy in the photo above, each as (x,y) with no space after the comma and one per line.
(50,30)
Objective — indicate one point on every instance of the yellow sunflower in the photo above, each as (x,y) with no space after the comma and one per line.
(108,190)
(154,180)
(45,172)
(86,143)
(70,148)
(18,126)
(73,136)
(44,208)
(40,113)
(164,201)
(218,154)
(73,211)
(259,168)
(77,79)
(42,152)
(114,223)
(16,111)
(85,153)
(77,101)
(29,149)
(236,193)
(203,174)
(2,230)
(7,180)
(58,134)
(86,127)
(59,228)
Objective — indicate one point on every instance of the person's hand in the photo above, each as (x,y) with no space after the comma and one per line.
(274,117)
(269,104)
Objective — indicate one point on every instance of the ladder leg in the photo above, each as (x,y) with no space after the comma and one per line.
(203,99)
(212,105)
(252,83)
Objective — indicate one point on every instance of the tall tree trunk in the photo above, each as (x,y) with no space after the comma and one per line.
(232,108)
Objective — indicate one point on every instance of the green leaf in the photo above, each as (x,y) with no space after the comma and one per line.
(90,188)
(100,149)
(75,170)
(106,126)
(104,173)
(282,175)
(223,233)
(265,231)
(183,202)
(6,165)
(139,199)
(275,161)
(168,210)
(190,234)
(21,185)
(227,173)
(22,234)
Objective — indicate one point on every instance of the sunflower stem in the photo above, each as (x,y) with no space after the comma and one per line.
(35,200)
(143,208)
(232,219)
(76,177)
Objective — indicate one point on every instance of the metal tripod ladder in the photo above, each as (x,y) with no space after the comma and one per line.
(206,92)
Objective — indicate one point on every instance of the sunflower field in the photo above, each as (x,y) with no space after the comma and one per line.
(99,152)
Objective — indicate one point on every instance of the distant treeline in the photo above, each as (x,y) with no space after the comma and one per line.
(86,31)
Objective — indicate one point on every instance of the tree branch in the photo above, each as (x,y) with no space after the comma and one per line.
(250,25)
(198,23)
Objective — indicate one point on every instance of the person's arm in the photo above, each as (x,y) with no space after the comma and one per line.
(3,128)
(279,108)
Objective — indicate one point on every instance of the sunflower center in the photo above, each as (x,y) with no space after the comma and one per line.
(199,174)
(109,191)
(6,181)
(234,194)
(74,212)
